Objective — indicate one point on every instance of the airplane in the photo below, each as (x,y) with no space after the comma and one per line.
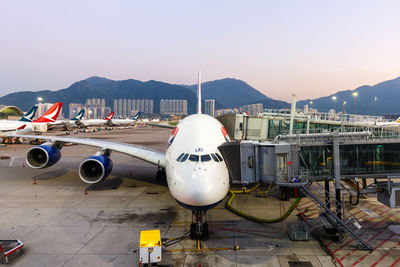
(196,173)
(127,121)
(49,117)
(93,122)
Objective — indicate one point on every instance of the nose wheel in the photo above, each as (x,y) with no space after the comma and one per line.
(199,226)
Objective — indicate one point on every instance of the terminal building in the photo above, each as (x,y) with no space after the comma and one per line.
(173,106)
(10,112)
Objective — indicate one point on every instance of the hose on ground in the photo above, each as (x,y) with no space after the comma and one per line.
(229,206)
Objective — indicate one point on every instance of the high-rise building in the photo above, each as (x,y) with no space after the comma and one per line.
(95,108)
(253,109)
(209,107)
(173,106)
(126,107)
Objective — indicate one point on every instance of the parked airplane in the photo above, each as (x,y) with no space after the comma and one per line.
(127,121)
(49,117)
(8,127)
(196,174)
(93,122)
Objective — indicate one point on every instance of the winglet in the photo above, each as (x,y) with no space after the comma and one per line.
(199,94)
(398,119)
(110,116)
(52,114)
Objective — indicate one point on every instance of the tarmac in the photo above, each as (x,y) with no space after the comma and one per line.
(60,225)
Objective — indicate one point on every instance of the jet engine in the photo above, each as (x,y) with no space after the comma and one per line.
(95,168)
(43,156)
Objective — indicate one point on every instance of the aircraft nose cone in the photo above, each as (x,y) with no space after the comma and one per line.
(202,188)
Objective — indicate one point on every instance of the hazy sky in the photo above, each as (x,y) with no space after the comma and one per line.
(311,48)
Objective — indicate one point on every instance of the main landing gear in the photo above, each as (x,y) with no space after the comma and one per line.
(199,226)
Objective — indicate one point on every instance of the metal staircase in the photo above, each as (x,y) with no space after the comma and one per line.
(345,222)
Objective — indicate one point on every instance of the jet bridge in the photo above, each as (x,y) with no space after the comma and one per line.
(312,157)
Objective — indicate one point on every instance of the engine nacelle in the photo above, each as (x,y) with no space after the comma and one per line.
(43,156)
(95,169)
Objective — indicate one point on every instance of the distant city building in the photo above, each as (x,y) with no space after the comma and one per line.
(95,108)
(173,106)
(127,107)
(223,111)
(253,109)
(209,107)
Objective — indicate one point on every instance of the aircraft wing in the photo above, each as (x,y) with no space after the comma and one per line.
(148,155)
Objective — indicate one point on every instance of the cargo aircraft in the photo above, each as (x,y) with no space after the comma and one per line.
(196,173)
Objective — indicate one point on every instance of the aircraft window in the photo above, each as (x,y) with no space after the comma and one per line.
(180,156)
(219,157)
(194,158)
(184,157)
(214,157)
(205,158)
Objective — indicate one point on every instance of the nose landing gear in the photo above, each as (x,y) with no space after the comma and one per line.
(199,226)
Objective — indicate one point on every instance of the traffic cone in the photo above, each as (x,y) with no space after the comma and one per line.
(86,191)
(23,165)
(34,181)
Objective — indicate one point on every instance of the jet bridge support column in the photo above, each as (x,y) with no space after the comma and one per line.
(327,194)
(336,162)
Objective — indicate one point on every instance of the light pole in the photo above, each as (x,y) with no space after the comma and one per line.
(375,98)
(310,105)
(40,99)
(344,110)
(334,103)
(355,94)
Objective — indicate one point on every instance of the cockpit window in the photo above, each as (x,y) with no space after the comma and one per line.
(219,157)
(194,158)
(184,157)
(205,158)
(180,156)
(214,157)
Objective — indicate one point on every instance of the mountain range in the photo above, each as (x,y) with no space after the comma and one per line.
(387,95)
(228,93)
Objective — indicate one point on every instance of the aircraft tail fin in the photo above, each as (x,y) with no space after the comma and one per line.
(398,119)
(51,114)
(79,116)
(110,116)
(29,115)
(136,117)
(199,94)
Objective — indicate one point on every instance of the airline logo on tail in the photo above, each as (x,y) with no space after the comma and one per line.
(78,116)
(398,119)
(136,116)
(110,116)
(52,114)
(29,115)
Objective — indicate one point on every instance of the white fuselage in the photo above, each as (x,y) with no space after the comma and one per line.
(122,122)
(197,184)
(93,122)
